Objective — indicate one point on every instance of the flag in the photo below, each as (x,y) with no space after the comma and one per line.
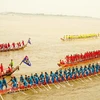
(29,41)
(26,61)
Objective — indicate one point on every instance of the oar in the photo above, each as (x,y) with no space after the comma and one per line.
(23,93)
(85,79)
(34,90)
(56,86)
(48,86)
(81,80)
(74,81)
(45,87)
(89,78)
(97,76)
(1,97)
(69,83)
(39,88)
(61,84)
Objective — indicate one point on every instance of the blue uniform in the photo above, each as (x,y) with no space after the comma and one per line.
(65,71)
(4,83)
(30,80)
(25,83)
(97,68)
(41,76)
(47,78)
(87,72)
(60,71)
(21,78)
(36,79)
(61,76)
(52,77)
(42,80)
(56,76)
(92,69)
(14,83)
(32,76)
(1,85)
(67,76)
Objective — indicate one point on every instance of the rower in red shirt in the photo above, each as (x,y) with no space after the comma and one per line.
(1,68)
(19,44)
(22,43)
(5,46)
(13,44)
(8,45)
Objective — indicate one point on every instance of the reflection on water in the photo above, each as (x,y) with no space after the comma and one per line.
(47,49)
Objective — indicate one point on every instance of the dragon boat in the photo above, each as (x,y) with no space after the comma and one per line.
(9,73)
(56,82)
(80,36)
(76,59)
(15,48)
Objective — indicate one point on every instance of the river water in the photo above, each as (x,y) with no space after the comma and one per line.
(47,49)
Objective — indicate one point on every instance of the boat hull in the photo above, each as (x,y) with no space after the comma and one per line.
(9,73)
(22,88)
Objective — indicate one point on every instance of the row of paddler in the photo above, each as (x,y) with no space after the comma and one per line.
(75,58)
(7,46)
(80,36)
(53,77)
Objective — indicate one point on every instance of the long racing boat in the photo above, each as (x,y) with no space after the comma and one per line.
(75,59)
(9,73)
(80,36)
(7,47)
(91,70)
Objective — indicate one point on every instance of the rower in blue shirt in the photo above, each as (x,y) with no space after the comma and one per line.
(74,74)
(36,75)
(25,83)
(47,77)
(32,76)
(93,70)
(76,69)
(97,67)
(66,76)
(41,75)
(87,73)
(14,84)
(4,82)
(89,68)
(85,68)
(21,78)
(1,85)
(61,77)
(36,79)
(30,80)
(56,76)
(56,72)
(52,75)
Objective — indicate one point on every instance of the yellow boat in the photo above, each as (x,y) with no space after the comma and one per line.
(80,36)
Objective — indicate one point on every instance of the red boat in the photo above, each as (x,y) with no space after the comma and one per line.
(15,48)
(9,73)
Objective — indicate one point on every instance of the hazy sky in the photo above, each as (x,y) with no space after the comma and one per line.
(67,7)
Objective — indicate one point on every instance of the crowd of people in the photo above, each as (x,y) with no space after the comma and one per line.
(8,46)
(71,59)
(52,77)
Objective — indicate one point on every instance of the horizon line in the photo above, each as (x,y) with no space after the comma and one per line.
(47,14)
